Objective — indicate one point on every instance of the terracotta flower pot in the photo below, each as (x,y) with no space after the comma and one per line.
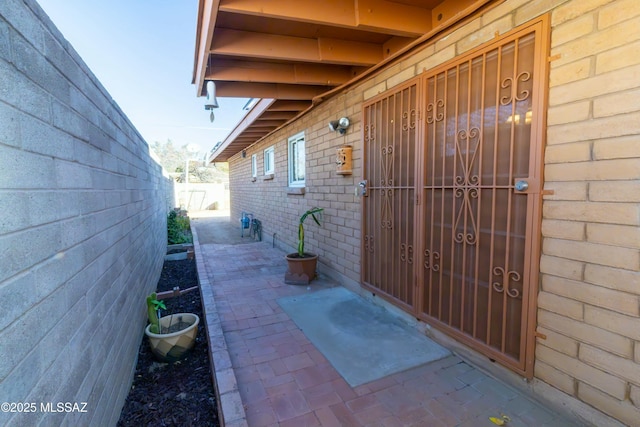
(171,347)
(301,270)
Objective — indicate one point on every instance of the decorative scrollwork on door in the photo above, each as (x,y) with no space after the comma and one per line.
(409,120)
(406,253)
(370,133)
(431,260)
(432,111)
(466,185)
(368,243)
(386,192)
(387,208)
(513,84)
(511,276)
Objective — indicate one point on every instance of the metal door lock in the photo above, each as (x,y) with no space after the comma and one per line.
(362,188)
(521,185)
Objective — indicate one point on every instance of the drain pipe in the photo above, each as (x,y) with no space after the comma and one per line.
(273,242)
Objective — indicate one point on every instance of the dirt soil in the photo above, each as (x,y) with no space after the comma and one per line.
(182,393)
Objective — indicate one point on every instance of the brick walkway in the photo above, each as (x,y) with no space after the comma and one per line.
(269,374)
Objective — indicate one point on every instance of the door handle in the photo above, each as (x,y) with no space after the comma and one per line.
(521,185)
(363,187)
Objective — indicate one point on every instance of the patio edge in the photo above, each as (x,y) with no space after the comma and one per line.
(230,408)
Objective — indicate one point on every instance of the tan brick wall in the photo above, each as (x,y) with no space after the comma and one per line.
(337,241)
(589,302)
(591,225)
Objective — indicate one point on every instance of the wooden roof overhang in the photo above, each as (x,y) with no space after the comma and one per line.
(290,54)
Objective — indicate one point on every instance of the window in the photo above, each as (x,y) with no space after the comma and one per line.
(254,165)
(269,166)
(296,160)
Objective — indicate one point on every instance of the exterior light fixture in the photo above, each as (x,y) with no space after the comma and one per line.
(211,101)
(340,125)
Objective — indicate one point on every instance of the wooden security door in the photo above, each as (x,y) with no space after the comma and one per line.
(390,134)
(451,220)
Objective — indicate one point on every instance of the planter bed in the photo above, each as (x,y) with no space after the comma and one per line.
(182,393)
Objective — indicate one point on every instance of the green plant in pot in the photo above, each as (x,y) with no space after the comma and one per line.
(172,336)
(153,312)
(302,265)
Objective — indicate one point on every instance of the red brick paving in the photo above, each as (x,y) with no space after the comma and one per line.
(283,380)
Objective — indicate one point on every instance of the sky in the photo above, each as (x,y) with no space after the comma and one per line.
(142,52)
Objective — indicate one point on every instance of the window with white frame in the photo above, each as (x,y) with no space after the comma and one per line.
(296,160)
(269,161)
(254,165)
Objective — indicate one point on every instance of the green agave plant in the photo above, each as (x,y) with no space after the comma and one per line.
(304,216)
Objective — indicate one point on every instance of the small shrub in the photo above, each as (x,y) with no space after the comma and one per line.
(178,230)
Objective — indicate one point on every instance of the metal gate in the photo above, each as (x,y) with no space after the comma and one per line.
(390,139)
(461,252)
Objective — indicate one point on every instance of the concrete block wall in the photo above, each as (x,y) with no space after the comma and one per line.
(202,196)
(82,229)
(589,301)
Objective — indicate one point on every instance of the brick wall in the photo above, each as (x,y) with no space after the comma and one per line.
(338,240)
(82,229)
(589,303)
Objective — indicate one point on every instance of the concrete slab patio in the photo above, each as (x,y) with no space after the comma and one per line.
(363,341)
(268,373)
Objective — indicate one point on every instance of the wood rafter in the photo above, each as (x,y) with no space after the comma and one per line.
(268,90)
(292,73)
(250,44)
(289,52)
(380,16)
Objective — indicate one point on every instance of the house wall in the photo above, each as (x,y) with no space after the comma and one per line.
(589,302)
(82,229)
(338,240)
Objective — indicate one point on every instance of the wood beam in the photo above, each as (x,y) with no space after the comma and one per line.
(243,143)
(252,136)
(208,12)
(257,110)
(287,48)
(268,90)
(380,16)
(290,105)
(337,51)
(333,12)
(448,10)
(394,45)
(276,115)
(270,72)
(263,123)
(394,18)
(258,130)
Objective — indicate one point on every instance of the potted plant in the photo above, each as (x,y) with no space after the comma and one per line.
(302,265)
(170,336)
